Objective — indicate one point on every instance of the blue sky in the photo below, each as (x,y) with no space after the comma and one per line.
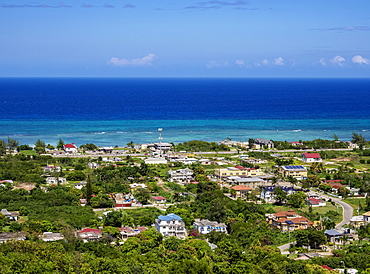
(193,38)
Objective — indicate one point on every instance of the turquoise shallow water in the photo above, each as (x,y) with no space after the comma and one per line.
(115,111)
(120,132)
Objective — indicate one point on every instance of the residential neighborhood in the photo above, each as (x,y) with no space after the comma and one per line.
(315,206)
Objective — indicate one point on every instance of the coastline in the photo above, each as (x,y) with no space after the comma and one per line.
(120,132)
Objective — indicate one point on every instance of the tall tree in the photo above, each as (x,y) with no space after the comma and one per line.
(2,147)
(358,138)
(60,144)
(131,144)
(12,144)
(89,191)
(40,146)
(280,195)
(142,195)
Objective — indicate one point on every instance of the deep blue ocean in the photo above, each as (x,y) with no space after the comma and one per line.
(115,111)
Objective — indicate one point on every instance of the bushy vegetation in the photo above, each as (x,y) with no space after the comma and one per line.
(195,146)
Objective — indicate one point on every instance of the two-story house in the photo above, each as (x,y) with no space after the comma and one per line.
(70,148)
(288,221)
(171,225)
(180,175)
(237,171)
(298,172)
(260,143)
(268,194)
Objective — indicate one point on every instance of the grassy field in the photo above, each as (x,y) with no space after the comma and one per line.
(355,202)
(29,152)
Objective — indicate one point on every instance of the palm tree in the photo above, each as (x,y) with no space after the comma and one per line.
(292,180)
(274,180)
(131,144)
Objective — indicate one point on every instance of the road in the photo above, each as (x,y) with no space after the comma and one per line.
(347,210)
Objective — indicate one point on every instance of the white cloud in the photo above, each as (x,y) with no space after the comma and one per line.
(145,61)
(338,60)
(279,61)
(265,62)
(240,62)
(323,62)
(358,59)
(214,64)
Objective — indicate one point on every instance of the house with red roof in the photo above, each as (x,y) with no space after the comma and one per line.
(90,234)
(311,157)
(315,202)
(241,190)
(130,232)
(70,148)
(288,221)
(334,185)
(159,199)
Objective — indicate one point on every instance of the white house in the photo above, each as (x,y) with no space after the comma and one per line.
(264,143)
(206,226)
(171,225)
(51,169)
(89,234)
(186,161)
(311,158)
(205,162)
(159,200)
(93,165)
(12,216)
(268,195)
(70,148)
(155,161)
(51,236)
(315,202)
(54,180)
(180,175)
(80,185)
(162,146)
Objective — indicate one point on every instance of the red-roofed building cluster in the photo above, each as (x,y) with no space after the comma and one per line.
(288,221)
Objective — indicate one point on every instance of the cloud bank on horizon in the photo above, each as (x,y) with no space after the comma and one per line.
(144,61)
(236,38)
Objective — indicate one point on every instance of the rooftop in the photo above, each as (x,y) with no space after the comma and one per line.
(312,155)
(241,187)
(169,217)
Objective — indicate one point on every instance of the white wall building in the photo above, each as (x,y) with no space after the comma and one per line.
(206,226)
(311,158)
(181,175)
(70,148)
(171,225)
(54,180)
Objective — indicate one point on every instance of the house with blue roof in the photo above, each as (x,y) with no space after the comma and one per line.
(268,194)
(333,236)
(171,225)
(298,172)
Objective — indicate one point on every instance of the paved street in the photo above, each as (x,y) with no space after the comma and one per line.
(347,211)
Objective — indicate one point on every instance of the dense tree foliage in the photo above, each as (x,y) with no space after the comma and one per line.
(195,146)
